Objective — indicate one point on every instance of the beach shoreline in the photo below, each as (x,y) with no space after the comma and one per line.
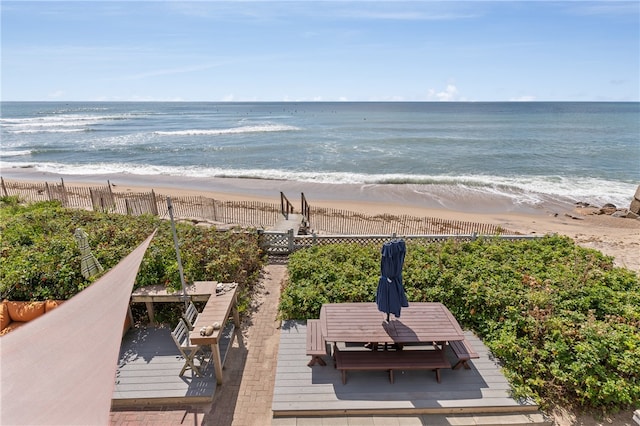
(616,237)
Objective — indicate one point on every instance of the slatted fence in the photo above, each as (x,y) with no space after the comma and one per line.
(334,221)
(103,198)
(253,214)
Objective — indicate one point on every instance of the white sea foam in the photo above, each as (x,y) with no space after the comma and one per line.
(233,130)
(528,191)
(18,153)
(62,123)
(44,130)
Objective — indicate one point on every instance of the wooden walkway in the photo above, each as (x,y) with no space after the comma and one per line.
(294,222)
(318,391)
(148,369)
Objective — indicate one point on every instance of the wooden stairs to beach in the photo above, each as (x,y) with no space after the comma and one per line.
(293,222)
(290,221)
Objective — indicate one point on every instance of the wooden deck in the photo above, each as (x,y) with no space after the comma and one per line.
(301,390)
(148,369)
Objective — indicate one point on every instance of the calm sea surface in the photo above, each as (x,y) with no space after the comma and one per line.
(531,151)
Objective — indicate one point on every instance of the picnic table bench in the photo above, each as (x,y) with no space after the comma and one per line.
(463,350)
(390,360)
(316,345)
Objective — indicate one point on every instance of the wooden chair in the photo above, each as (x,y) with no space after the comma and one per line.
(189,351)
(190,315)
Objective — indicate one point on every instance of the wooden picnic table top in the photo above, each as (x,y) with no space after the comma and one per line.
(363,322)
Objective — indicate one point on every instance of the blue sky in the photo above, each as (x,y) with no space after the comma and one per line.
(320,51)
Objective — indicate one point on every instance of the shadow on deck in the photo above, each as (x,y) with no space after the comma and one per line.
(148,368)
(301,390)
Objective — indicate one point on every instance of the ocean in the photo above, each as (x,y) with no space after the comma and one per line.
(527,152)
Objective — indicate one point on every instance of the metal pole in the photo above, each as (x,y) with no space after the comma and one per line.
(185,297)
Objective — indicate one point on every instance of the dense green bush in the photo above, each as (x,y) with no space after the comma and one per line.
(564,321)
(41,260)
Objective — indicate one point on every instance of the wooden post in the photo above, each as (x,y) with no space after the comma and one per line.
(4,188)
(291,240)
(63,193)
(46,185)
(109,186)
(154,205)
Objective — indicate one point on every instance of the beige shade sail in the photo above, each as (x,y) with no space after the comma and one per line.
(59,369)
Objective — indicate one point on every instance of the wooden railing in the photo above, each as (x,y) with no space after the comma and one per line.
(304,207)
(285,205)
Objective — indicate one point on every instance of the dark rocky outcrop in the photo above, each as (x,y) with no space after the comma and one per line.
(633,212)
(635,203)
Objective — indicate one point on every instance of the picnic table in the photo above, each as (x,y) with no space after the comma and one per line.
(428,323)
(421,322)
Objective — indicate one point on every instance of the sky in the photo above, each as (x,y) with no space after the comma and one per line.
(320,51)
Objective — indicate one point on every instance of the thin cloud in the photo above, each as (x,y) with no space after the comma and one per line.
(525,98)
(450,93)
(612,8)
(169,71)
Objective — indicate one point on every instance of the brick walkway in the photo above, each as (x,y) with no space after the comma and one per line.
(244,399)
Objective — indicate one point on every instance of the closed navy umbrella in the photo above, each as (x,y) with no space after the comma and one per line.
(391,296)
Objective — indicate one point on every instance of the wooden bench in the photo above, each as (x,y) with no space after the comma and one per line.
(463,350)
(316,345)
(217,310)
(390,360)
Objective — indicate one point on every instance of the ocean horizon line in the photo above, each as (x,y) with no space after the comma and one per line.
(321,101)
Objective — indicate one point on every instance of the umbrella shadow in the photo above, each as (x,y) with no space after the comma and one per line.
(399,331)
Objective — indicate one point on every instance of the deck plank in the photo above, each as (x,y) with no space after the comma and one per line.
(318,390)
(148,368)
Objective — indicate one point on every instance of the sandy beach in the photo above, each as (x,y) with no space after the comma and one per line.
(616,237)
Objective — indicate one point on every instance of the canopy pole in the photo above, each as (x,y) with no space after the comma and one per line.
(185,297)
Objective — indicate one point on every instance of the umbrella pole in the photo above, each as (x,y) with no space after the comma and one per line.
(388,303)
(177,246)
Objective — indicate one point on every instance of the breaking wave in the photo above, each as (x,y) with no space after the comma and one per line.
(228,131)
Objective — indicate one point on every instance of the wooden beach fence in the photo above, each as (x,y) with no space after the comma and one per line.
(256,214)
(243,213)
(74,197)
(336,221)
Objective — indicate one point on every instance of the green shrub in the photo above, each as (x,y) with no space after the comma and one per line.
(41,260)
(563,320)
